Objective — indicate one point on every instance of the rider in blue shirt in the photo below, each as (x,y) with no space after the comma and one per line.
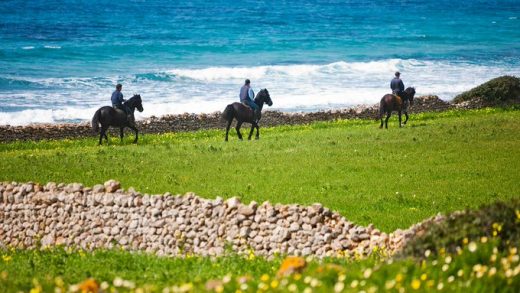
(247,96)
(117,102)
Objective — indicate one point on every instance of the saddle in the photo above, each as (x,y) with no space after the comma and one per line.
(129,117)
(248,108)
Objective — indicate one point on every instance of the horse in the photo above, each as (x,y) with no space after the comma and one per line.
(390,102)
(243,113)
(108,116)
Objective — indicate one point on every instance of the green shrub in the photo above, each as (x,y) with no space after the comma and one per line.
(499,89)
(499,221)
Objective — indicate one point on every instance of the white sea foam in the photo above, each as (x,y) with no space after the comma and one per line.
(28,47)
(52,47)
(304,87)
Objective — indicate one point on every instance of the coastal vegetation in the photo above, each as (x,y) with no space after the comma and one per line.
(497,90)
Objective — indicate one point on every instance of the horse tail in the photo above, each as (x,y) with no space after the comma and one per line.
(381,109)
(228,113)
(95,121)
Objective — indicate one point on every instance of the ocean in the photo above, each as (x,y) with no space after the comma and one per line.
(60,60)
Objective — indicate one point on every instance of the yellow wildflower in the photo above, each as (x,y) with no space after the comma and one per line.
(416,284)
(219,289)
(424,277)
(6,258)
(274,284)
(465,240)
(264,278)
(399,278)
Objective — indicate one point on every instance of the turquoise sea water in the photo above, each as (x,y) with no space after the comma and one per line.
(59,60)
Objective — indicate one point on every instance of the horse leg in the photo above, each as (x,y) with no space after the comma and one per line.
(239,124)
(406,115)
(121,133)
(251,132)
(388,114)
(399,112)
(101,134)
(227,128)
(381,126)
(257,131)
(136,132)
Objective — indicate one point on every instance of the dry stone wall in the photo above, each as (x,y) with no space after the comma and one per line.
(191,122)
(106,216)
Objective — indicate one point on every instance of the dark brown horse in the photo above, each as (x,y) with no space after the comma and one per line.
(243,113)
(391,102)
(108,116)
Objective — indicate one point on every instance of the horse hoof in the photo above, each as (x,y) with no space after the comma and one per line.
(257,138)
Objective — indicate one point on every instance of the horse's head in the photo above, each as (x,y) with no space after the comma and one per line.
(410,92)
(136,102)
(266,98)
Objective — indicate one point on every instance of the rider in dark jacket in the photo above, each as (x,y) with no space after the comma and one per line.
(117,102)
(397,84)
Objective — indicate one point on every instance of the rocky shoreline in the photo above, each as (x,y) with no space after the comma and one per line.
(106,216)
(194,122)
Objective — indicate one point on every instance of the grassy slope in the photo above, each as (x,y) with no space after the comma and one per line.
(391,178)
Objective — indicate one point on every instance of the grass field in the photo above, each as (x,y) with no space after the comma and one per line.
(393,178)
(473,268)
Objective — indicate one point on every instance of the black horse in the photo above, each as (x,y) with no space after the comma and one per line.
(243,113)
(108,116)
(391,102)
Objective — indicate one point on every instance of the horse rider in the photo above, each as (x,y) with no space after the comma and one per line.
(247,96)
(117,102)
(397,87)
(397,84)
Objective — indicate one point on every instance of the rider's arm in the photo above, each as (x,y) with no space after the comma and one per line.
(251,94)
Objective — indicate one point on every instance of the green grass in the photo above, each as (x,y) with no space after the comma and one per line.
(477,266)
(393,178)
